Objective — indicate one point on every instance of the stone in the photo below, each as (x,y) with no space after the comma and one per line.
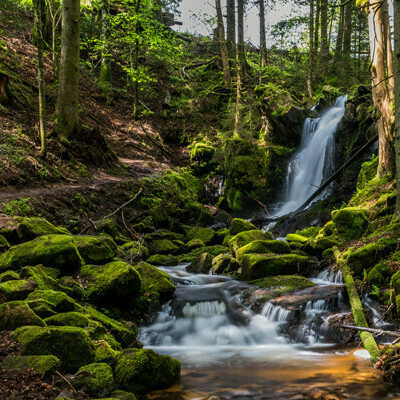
(350,222)
(264,246)
(163,246)
(202,264)
(243,238)
(95,379)
(31,228)
(241,225)
(16,290)
(59,301)
(195,244)
(163,260)
(293,237)
(68,319)
(45,365)
(15,314)
(96,249)
(206,235)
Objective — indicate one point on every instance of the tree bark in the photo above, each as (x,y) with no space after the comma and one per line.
(4,81)
(238,119)
(241,53)
(263,48)
(105,69)
(339,39)
(231,30)
(324,35)
(136,62)
(67,107)
(397,98)
(347,30)
(223,46)
(380,88)
(311,51)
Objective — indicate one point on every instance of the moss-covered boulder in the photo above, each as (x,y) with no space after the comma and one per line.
(16,290)
(194,254)
(162,246)
(31,228)
(243,238)
(115,283)
(59,301)
(96,249)
(108,226)
(163,260)
(9,276)
(45,365)
(133,251)
(202,264)
(367,256)
(68,319)
(163,234)
(241,225)
(350,222)
(4,246)
(226,240)
(296,238)
(380,274)
(264,246)
(42,308)
(325,243)
(221,263)
(139,371)
(71,345)
(95,379)
(155,282)
(122,395)
(311,232)
(57,251)
(195,244)
(72,287)
(206,235)
(17,313)
(104,352)
(257,266)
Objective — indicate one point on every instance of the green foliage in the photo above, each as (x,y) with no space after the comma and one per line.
(20,206)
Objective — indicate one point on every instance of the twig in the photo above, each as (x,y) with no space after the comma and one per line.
(258,201)
(66,380)
(384,314)
(372,330)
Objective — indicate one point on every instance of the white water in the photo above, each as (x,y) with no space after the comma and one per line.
(329,277)
(313,160)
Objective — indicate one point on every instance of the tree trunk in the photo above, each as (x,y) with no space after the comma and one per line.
(231,30)
(238,118)
(339,39)
(388,49)
(316,27)
(311,53)
(348,13)
(67,107)
(380,90)
(105,69)
(40,8)
(54,10)
(324,35)
(397,98)
(241,54)
(223,46)
(4,81)
(136,62)
(263,48)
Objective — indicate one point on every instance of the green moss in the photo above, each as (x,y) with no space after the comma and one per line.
(310,232)
(325,243)
(68,319)
(257,266)
(16,290)
(16,314)
(71,345)
(380,274)
(122,395)
(226,240)
(350,222)
(206,235)
(133,251)
(264,246)
(96,249)
(163,234)
(58,251)
(108,226)
(30,228)
(163,246)
(194,244)
(368,172)
(9,276)
(72,287)
(221,235)
(241,225)
(163,260)
(41,276)
(139,371)
(293,237)
(59,300)
(104,352)
(202,264)
(4,246)
(45,365)
(115,283)
(194,254)
(94,378)
(221,263)
(243,238)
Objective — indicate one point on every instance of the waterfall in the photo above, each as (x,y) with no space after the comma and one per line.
(313,161)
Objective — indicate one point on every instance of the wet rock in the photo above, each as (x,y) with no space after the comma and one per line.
(202,264)
(45,365)
(264,246)
(247,237)
(240,225)
(206,235)
(95,379)
(350,222)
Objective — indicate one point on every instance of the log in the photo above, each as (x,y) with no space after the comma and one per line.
(372,330)
(4,91)
(356,307)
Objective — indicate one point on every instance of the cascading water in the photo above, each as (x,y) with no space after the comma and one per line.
(313,160)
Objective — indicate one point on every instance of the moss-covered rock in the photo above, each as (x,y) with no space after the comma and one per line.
(221,263)
(68,319)
(44,277)
(31,228)
(194,254)
(241,225)
(94,379)
(310,232)
(96,249)
(257,266)
(71,345)
(115,283)
(202,264)
(221,235)
(42,308)
(195,244)
(4,246)
(367,256)
(162,246)
(72,287)
(57,251)
(17,313)
(325,243)
(133,251)
(104,352)
(226,240)
(264,246)
(9,276)
(163,234)
(295,238)
(380,274)
(108,226)
(60,301)
(122,395)
(350,222)
(139,371)
(16,290)
(243,238)
(206,235)
(155,281)
(45,365)
(163,260)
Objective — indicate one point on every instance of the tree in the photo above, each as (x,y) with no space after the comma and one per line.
(311,65)
(263,48)
(396,4)
(105,69)
(240,49)
(67,106)
(231,29)
(324,35)
(40,9)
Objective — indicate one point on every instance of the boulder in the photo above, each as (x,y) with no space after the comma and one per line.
(16,290)
(163,260)
(44,365)
(96,249)
(57,251)
(9,276)
(122,395)
(71,345)
(243,238)
(324,243)
(257,266)
(17,313)
(194,254)
(68,319)
(206,235)
(114,283)
(4,246)
(104,352)
(202,264)
(44,277)
(295,238)
(350,222)
(195,244)
(59,301)
(31,228)
(162,246)
(108,226)
(221,263)
(163,234)
(133,251)
(142,370)
(264,246)
(94,379)
(241,225)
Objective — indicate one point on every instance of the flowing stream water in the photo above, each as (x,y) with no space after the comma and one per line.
(284,351)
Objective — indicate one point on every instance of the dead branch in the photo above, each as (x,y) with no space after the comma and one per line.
(372,330)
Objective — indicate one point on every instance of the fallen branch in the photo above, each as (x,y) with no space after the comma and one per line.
(257,201)
(66,380)
(196,65)
(372,330)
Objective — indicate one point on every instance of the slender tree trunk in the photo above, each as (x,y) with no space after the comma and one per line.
(105,69)
(223,46)
(67,107)
(241,53)
(397,98)
(263,48)
(231,30)
(380,90)
(388,48)
(311,56)
(55,16)
(238,117)
(159,11)
(339,39)
(317,17)
(136,62)
(40,8)
(324,35)
(347,30)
